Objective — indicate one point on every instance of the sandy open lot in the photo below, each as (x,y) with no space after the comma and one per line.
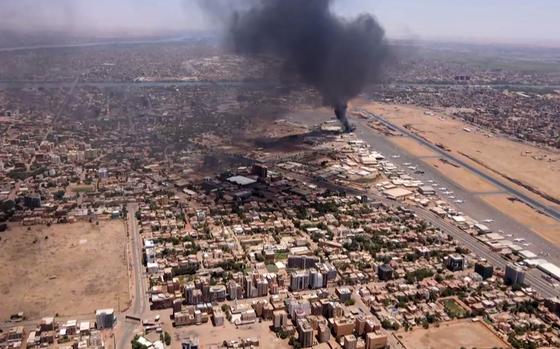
(208,334)
(451,335)
(542,224)
(534,166)
(79,268)
(412,146)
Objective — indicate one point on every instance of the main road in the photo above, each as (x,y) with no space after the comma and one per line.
(138,307)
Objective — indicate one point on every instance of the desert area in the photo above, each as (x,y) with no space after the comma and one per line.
(64,269)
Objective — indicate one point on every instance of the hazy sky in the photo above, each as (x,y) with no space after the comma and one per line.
(489,20)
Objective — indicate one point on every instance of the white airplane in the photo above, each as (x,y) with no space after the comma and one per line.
(459,201)
(488,220)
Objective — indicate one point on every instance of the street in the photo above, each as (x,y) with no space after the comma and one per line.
(138,307)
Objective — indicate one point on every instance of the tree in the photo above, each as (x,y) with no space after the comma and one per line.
(136,344)
(7,205)
(167,338)
(58,195)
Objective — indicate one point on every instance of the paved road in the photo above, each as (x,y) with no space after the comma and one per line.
(554,213)
(138,307)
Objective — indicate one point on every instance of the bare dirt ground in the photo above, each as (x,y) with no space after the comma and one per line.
(208,334)
(412,146)
(539,168)
(456,334)
(69,269)
(540,223)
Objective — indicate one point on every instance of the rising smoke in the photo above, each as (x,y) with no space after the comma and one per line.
(338,57)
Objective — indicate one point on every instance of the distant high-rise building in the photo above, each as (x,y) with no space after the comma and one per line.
(302,262)
(32,201)
(553,304)
(260,170)
(279,318)
(315,279)
(299,280)
(324,334)
(455,262)
(248,286)
(515,275)
(484,269)
(385,272)
(350,341)
(105,318)
(376,341)
(305,333)
(262,288)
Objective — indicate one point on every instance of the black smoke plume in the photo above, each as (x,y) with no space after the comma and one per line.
(336,56)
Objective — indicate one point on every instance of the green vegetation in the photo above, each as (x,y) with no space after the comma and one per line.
(326,207)
(167,338)
(281,333)
(520,344)
(453,309)
(272,268)
(419,275)
(22,174)
(390,325)
(136,345)
(233,266)
(281,255)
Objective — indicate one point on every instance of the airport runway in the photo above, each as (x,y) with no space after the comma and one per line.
(552,212)
(472,206)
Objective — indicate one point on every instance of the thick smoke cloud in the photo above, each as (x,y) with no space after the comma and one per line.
(336,56)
